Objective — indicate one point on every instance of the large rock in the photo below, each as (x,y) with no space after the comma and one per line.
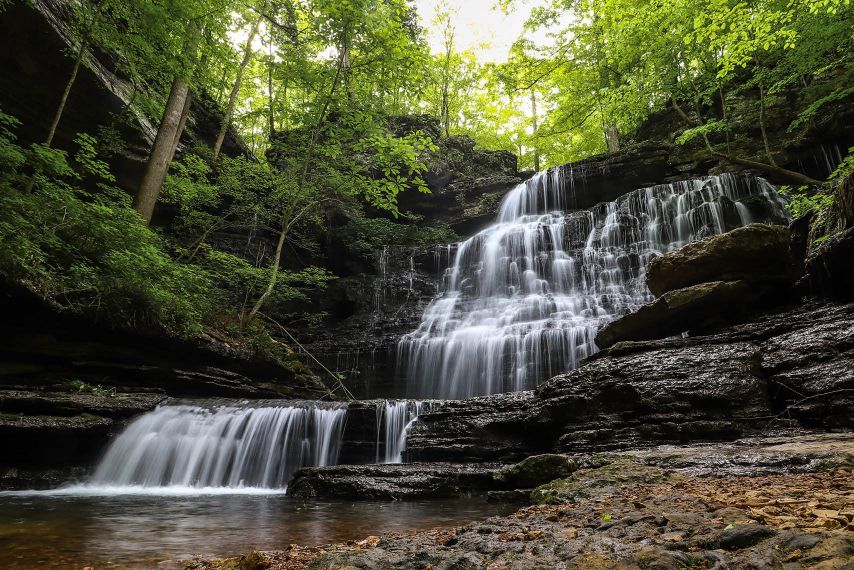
(693,308)
(537,470)
(754,253)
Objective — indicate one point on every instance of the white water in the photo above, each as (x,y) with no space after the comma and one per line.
(394,420)
(183,449)
(523,299)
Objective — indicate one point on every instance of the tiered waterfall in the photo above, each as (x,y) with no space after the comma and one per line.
(522,300)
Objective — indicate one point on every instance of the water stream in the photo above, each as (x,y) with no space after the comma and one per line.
(394,419)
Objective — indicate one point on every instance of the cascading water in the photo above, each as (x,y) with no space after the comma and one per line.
(394,419)
(224,446)
(523,299)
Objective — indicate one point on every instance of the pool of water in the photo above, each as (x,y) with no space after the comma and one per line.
(103,528)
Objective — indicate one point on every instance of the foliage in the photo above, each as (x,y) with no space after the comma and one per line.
(802,200)
(86,250)
(609,64)
(367,235)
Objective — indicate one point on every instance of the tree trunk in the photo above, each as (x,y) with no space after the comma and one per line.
(272,107)
(535,129)
(62,102)
(791,175)
(235,90)
(725,117)
(762,126)
(161,151)
(612,138)
(182,123)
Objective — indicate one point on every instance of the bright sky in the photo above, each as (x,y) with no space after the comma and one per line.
(479,25)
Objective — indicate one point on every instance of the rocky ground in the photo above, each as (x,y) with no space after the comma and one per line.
(777,503)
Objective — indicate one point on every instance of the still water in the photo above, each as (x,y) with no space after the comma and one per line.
(75,529)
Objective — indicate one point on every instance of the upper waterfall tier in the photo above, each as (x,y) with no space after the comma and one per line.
(523,299)
(225,446)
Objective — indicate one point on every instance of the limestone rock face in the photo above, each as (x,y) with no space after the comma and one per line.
(755,253)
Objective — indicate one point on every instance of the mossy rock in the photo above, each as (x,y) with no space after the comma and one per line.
(537,470)
(584,482)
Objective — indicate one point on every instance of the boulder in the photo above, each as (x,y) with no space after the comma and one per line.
(754,253)
(537,470)
(693,308)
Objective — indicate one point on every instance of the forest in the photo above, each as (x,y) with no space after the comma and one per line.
(350,202)
(314,85)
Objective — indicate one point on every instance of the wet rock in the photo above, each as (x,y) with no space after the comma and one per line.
(694,308)
(757,253)
(744,536)
(107,403)
(518,496)
(754,456)
(495,428)
(45,349)
(409,481)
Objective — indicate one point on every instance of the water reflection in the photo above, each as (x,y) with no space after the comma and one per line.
(73,531)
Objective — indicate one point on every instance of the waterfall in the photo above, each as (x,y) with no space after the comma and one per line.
(394,418)
(522,300)
(222,446)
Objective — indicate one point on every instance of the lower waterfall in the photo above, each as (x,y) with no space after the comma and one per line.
(222,446)
(522,300)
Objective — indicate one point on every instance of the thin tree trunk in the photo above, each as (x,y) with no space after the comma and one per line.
(791,175)
(679,111)
(535,129)
(762,126)
(235,90)
(161,151)
(81,52)
(725,117)
(272,109)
